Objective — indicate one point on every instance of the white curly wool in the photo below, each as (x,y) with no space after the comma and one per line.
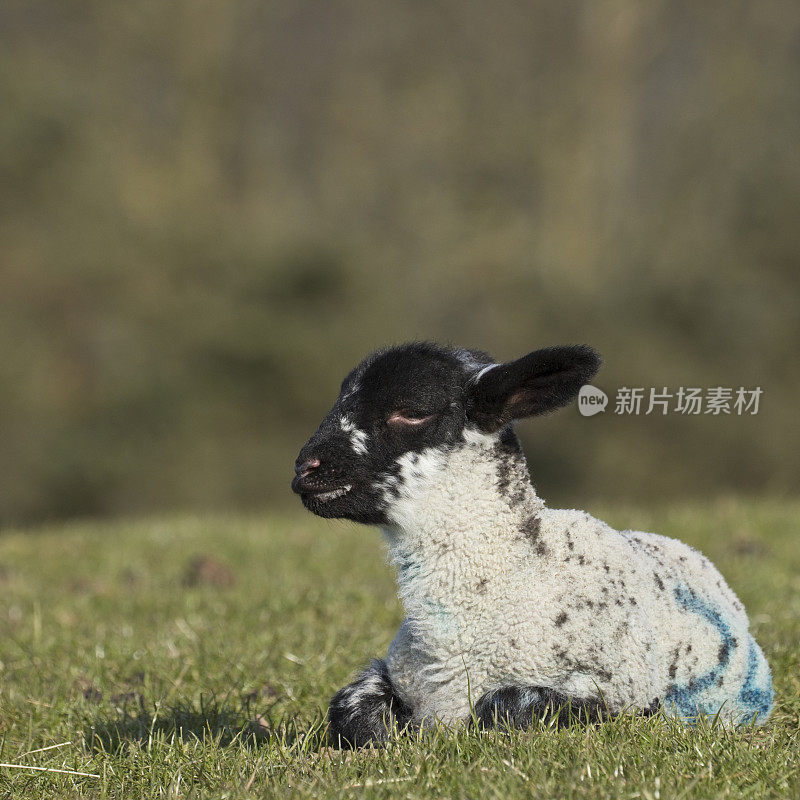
(501,591)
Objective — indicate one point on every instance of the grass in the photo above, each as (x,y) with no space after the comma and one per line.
(194,657)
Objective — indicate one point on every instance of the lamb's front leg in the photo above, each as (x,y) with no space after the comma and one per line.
(520,706)
(367,710)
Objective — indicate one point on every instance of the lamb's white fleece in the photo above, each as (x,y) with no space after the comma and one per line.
(501,591)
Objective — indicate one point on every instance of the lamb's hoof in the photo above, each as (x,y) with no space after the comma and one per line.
(367,711)
(520,706)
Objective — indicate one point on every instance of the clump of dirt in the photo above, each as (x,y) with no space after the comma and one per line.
(207,571)
(88,689)
(266,691)
(749,547)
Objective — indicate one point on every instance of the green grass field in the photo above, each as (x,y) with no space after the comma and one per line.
(194,657)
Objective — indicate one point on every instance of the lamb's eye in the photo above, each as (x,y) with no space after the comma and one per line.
(404,417)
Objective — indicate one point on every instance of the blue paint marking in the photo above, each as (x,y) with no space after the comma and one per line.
(756,697)
(752,699)
(687,698)
(408,568)
(440,614)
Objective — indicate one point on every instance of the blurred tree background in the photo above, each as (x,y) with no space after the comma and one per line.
(210,210)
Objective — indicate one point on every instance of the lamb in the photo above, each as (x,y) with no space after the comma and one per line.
(513,610)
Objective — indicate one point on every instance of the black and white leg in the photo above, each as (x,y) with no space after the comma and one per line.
(520,706)
(367,710)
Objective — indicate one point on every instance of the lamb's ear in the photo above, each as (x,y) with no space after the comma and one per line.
(534,384)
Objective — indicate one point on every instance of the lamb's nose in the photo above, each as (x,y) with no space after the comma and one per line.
(303,468)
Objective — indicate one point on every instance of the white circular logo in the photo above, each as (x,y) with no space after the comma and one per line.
(591,400)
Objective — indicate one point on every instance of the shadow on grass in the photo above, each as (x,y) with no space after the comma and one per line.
(218,723)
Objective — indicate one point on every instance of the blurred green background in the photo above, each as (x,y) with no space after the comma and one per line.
(210,210)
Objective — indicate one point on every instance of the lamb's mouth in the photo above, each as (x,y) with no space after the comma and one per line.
(324,497)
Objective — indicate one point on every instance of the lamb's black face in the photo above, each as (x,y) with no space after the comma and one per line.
(419,398)
(396,401)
